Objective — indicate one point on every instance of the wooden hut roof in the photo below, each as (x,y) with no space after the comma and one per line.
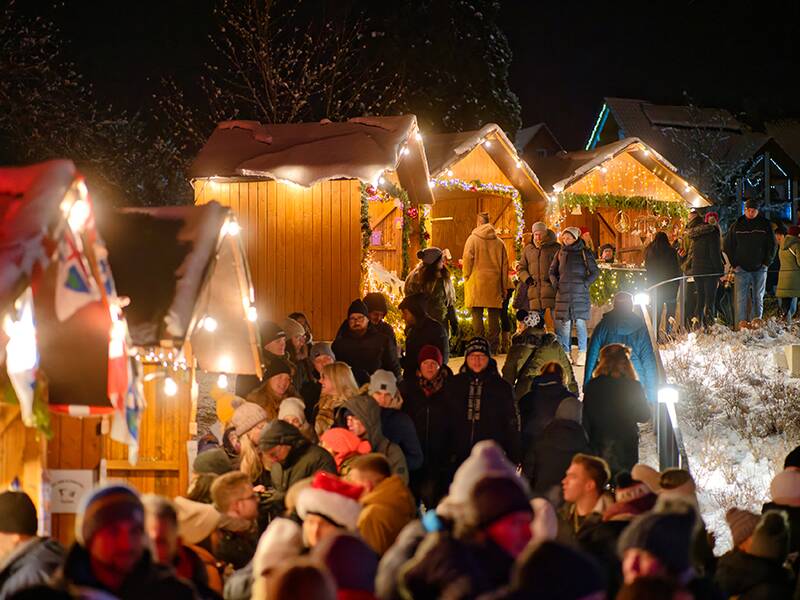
(308,153)
(445,149)
(564,170)
(179,264)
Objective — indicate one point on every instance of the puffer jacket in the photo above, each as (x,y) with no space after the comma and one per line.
(366,410)
(28,565)
(703,248)
(789,275)
(485,265)
(535,265)
(750,243)
(365,354)
(572,272)
(749,577)
(441,292)
(530,350)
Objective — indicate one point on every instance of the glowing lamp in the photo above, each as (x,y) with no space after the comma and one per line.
(231,228)
(170,387)
(668,395)
(222,381)
(641,299)
(210,324)
(252,314)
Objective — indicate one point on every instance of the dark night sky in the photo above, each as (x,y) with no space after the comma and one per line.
(567,54)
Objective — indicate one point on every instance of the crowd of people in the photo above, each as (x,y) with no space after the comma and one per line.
(358,469)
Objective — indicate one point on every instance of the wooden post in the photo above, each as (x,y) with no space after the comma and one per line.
(793,358)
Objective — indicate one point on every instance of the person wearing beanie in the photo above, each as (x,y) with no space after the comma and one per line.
(486,280)
(291,457)
(662,264)
(297,351)
(248,421)
(377,309)
(280,542)
(276,384)
(345,446)
(397,425)
(534,270)
(785,495)
(320,355)
(329,505)
(549,452)
(352,564)
(363,416)
(25,560)
(273,340)
(293,410)
(424,400)
(421,330)
(750,246)
(110,556)
(647,475)
(213,462)
(481,406)
(531,349)
(788,288)
(571,273)
(754,568)
(387,503)
(361,345)
(432,278)
(701,257)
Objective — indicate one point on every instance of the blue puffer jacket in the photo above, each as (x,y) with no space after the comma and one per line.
(624,327)
(572,272)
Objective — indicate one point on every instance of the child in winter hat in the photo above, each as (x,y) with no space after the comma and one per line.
(333,499)
(281,542)
(665,535)
(486,459)
(293,410)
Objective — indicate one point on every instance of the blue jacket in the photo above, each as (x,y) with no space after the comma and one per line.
(623,327)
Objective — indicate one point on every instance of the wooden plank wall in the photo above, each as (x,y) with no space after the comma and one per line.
(390,250)
(303,245)
(477,164)
(21,452)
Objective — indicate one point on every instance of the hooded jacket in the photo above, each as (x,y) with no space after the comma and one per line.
(789,275)
(749,577)
(629,328)
(365,354)
(366,410)
(662,265)
(538,407)
(441,292)
(530,351)
(551,454)
(535,264)
(703,248)
(750,243)
(572,272)
(485,265)
(423,333)
(387,509)
(30,564)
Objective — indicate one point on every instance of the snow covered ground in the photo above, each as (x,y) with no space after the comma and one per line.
(739,413)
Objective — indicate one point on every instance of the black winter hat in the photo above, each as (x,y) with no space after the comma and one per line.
(278,433)
(477,344)
(792,459)
(270,332)
(667,536)
(276,366)
(554,571)
(415,304)
(376,301)
(212,462)
(17,514)
(357,307)
(496,497)
(751,203)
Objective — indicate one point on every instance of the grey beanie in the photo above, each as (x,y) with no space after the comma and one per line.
(246,416)
(383,381)
(539,226)
(322,349)
(430,255)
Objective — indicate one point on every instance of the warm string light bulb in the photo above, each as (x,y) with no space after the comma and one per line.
(170,386)
(222,381)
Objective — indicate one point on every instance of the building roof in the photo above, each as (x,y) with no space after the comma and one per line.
(528,134)
(308,153)
(787,133)
(443,150)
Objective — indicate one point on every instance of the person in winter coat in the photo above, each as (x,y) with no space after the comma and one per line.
(585,497)
(421,330)
(788,289)
(613,405)
(622,325)
(532,348)
(754,568)
(291,458)
(387,503)
(397,426)
(273,338)
(25,559)
(320,355)
(345,446)
(275,387)
(293,410)
(359,344)
(377,310)
(235,499)
(572,272)
(364,419)
(249,420)
(432,278)
(703,260)
(297,351)
(486,278)
(750,246)
(661,264)
(425,401)
(338,384)
(481,406)
(551,452)
(534,268)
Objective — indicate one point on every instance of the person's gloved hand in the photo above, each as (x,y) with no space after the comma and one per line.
(453,320)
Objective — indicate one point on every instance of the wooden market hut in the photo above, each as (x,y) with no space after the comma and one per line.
(480,171)
(312,199)
(621,192)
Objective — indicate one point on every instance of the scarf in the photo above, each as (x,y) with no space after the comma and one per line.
(474,404)
(430,387)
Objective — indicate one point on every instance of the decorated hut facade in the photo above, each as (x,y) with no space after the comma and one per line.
(315,201)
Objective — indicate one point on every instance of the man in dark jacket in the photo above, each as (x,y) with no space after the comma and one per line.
(421,331)
(364,419)
(481,406)
(750,246)
(377,309)
(622,325)
(534,268)
(110,555)
(703,260)
(25,559)
(359,344)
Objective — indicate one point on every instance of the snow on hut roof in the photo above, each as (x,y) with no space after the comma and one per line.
(30,199)
(562,171)
(308,153)
(445,149)
(178,265)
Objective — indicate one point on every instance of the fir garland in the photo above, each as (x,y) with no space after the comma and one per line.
(366,232)
(424,224)
(569,201)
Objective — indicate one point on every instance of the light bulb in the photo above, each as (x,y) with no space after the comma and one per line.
(431,184)
(78,214)
(170,387)
(418,136)
(406,150)
(381,180)
(252,314)
(487,144)
(222,381)
(449,172)
(231,227)
(603,170)
(210,324)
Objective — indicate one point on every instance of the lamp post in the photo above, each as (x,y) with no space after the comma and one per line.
(666,428)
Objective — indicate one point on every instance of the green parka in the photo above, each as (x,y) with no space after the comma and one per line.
(530,351)
(789,275)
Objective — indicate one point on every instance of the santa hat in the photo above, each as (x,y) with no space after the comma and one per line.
(332,499)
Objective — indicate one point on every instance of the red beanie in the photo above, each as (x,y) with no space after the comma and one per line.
(429,352)
(794,230)
(711,214)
